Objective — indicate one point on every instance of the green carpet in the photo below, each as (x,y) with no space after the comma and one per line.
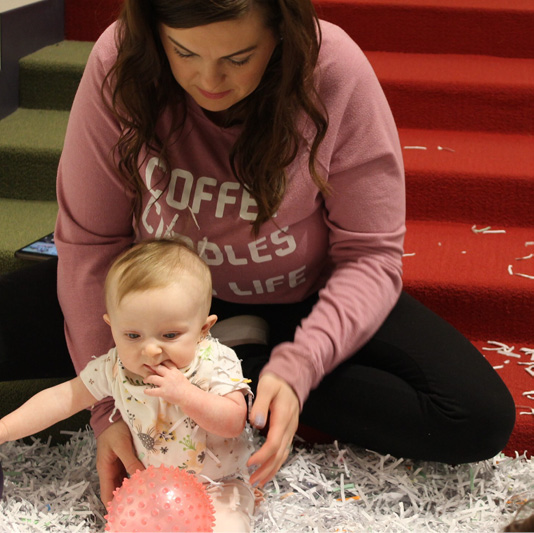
(22,222)
(31,140)
(49,77)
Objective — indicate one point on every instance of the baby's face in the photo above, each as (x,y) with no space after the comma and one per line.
(157,325)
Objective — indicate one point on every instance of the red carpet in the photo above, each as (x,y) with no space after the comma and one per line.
(465,277)
(459,76)
(85,20)
(487,179)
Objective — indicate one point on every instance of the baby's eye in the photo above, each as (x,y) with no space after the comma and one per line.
(132,335)
(170,335)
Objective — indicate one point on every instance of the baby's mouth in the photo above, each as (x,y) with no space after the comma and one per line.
(150,368)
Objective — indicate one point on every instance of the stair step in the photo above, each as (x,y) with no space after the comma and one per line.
(481,27)
(49,77)
(496,27)
(473,279)
(25,26)
(22,222)
(31,141)
(475,177)
(458,92)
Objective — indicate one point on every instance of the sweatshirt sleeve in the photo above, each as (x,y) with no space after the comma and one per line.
(94,222)
(365,216)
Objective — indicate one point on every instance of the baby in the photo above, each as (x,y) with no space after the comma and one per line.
(180,391)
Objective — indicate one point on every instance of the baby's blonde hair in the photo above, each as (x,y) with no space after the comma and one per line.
(153,264)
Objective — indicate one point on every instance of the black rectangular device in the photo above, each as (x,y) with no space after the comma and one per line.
(43,248)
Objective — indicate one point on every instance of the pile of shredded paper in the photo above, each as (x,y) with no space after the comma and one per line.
(322,488)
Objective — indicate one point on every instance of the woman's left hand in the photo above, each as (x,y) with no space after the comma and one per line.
(274,396)
(115,458)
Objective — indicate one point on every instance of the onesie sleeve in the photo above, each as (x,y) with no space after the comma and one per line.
(94,222)
(97,375)
(227,372)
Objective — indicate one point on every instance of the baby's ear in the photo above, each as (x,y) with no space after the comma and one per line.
(210,322)
(106,319)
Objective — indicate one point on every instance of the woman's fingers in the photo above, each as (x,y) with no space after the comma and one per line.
(277,399)
(115,458)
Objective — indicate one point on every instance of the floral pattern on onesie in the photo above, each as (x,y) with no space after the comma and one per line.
(162,433)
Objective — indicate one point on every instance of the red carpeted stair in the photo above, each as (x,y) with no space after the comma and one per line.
(459,76)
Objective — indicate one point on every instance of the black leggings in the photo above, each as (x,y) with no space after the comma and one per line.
(418,389)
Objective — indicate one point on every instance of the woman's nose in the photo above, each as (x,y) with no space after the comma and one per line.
(212,77)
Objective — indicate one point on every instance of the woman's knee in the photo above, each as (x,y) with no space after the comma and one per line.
(499,421)
(482,431)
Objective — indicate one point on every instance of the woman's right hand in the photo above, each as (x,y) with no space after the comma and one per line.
(115,458)
(277,399)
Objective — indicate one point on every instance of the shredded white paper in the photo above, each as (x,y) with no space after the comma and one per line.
(486,230)
(439,148)
(51,488)
(335,489)
(508,351)
(321,488)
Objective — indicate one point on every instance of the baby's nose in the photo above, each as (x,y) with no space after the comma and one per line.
(152,349)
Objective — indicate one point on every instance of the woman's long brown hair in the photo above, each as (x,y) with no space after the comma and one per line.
(270,140)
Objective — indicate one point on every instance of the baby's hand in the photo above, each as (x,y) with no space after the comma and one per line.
(169,383)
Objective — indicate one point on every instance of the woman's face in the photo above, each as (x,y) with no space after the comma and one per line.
(221,63)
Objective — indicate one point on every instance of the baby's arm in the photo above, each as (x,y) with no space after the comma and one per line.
(222,415)
(45,409)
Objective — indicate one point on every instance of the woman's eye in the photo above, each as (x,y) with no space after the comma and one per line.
(239,62)
(234,62)
(181,54)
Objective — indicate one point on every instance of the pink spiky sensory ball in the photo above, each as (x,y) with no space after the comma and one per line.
(160,499)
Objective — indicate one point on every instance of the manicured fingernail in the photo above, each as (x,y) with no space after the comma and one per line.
(254,485)
(259,421)
(252,469)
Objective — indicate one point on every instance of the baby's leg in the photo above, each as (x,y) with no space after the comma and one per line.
(234,507)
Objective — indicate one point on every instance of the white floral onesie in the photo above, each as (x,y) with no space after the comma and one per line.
(162,433)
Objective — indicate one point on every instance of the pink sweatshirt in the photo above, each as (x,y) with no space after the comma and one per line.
(347,245)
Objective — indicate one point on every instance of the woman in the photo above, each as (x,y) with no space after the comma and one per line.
(262,138)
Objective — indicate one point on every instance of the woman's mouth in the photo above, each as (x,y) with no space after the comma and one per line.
(214,96)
